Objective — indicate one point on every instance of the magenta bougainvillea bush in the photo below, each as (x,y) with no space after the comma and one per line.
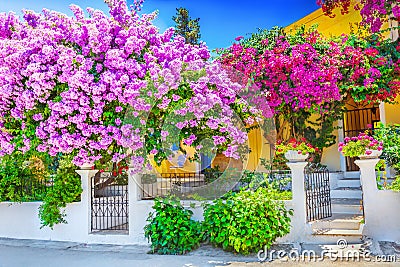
(101,87)
(306,78)
(305,70)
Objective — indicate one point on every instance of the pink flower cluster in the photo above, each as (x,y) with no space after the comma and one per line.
(373,12)
(364,140)
(311,74)
(294,75)
(73,80)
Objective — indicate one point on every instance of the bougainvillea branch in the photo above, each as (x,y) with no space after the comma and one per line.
(373,12)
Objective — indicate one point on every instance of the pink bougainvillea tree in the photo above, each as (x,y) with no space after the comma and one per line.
(303,74)
(100,87)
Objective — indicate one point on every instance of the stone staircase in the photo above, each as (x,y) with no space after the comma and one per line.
(347,219)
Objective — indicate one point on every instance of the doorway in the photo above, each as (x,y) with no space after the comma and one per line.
(359,117)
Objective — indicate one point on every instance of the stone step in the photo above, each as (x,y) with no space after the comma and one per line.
(337,233)
(340,247)
(347,205)
(351,175)
(326,239)
(339,221)
(349,183)
(346,192)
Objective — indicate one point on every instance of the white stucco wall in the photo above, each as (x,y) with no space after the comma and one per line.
(21,221)
(381,207)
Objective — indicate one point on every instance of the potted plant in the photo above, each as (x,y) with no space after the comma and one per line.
(295,150)
(362,146)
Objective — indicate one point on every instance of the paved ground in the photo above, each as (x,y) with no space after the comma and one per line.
(25,253)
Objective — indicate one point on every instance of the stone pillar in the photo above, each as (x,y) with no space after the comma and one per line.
(369,188)
(299,220)
(367,175)
(86,176)
(134,196)
(134,186)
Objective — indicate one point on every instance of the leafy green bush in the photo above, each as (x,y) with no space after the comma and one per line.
(246,221)
(395,185)
(66,189)
(170,228)
(278,181)
(22,178)
(390,135)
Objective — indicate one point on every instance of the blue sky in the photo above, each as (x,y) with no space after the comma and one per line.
(220,20)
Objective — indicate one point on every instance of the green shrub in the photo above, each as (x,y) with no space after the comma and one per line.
(390,135)
(247,221)
(279,184)
(395,185)
(66,189)
(170,228)
(22,178)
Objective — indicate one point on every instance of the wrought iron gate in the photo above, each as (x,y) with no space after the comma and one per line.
(318,192)
(358,120)
(109,203)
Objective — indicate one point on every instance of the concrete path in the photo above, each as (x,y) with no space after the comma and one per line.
(27,253)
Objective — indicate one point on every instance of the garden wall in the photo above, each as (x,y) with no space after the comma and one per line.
(381,207)
(21,221)
(382,215)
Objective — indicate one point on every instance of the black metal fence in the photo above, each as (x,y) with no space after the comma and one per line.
(26,189)
(153,185)
(158,186)
(318,192)
(281,179)
(109,203)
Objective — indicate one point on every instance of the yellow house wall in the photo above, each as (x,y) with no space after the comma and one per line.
(335,26)
(392,112)
(165,166)
(255,141)
(330,156)
(329,26)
